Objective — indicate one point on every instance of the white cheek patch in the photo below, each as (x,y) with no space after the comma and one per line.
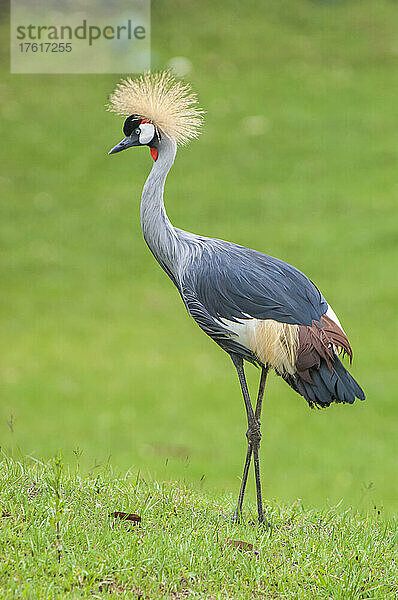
(147,133)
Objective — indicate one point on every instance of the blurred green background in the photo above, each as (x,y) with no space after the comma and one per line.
(297,159)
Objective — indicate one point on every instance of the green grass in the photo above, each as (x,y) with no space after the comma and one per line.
(184,546)
(97,352)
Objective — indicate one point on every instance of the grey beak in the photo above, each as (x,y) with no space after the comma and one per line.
(123,145)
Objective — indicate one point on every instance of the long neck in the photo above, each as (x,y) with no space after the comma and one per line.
(158,232)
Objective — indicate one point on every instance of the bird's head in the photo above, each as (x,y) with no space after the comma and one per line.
(138,132)
(155,105)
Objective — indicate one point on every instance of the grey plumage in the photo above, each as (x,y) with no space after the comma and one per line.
(232,282)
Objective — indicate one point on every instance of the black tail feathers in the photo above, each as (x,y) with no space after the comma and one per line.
(329,385)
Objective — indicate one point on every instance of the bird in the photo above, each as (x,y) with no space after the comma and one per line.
(257,308)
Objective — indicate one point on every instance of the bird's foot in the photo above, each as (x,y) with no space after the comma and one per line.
(236,516)
(262,521)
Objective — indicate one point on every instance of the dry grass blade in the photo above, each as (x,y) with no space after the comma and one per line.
(131,517)
(241,545)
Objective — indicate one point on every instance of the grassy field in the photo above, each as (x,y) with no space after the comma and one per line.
(60,540)
(97,353)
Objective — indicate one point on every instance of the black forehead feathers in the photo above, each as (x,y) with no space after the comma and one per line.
(130,124)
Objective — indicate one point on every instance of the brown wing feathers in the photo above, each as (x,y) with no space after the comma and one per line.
(318,342)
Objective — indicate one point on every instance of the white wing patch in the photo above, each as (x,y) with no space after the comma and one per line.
(147,133)
(243,329)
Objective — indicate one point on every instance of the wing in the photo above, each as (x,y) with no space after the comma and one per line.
(225,282)
(233,282)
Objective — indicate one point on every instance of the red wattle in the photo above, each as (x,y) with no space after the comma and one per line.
(154,153)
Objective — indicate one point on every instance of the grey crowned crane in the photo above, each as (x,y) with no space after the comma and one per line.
(258,308)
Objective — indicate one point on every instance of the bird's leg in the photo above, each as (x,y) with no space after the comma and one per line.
(260,395)
(238,512)
(256,446)
(253,436)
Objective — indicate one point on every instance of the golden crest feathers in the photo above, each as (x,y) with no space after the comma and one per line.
(169,104)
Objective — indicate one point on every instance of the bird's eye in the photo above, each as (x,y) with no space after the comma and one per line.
(137,131)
